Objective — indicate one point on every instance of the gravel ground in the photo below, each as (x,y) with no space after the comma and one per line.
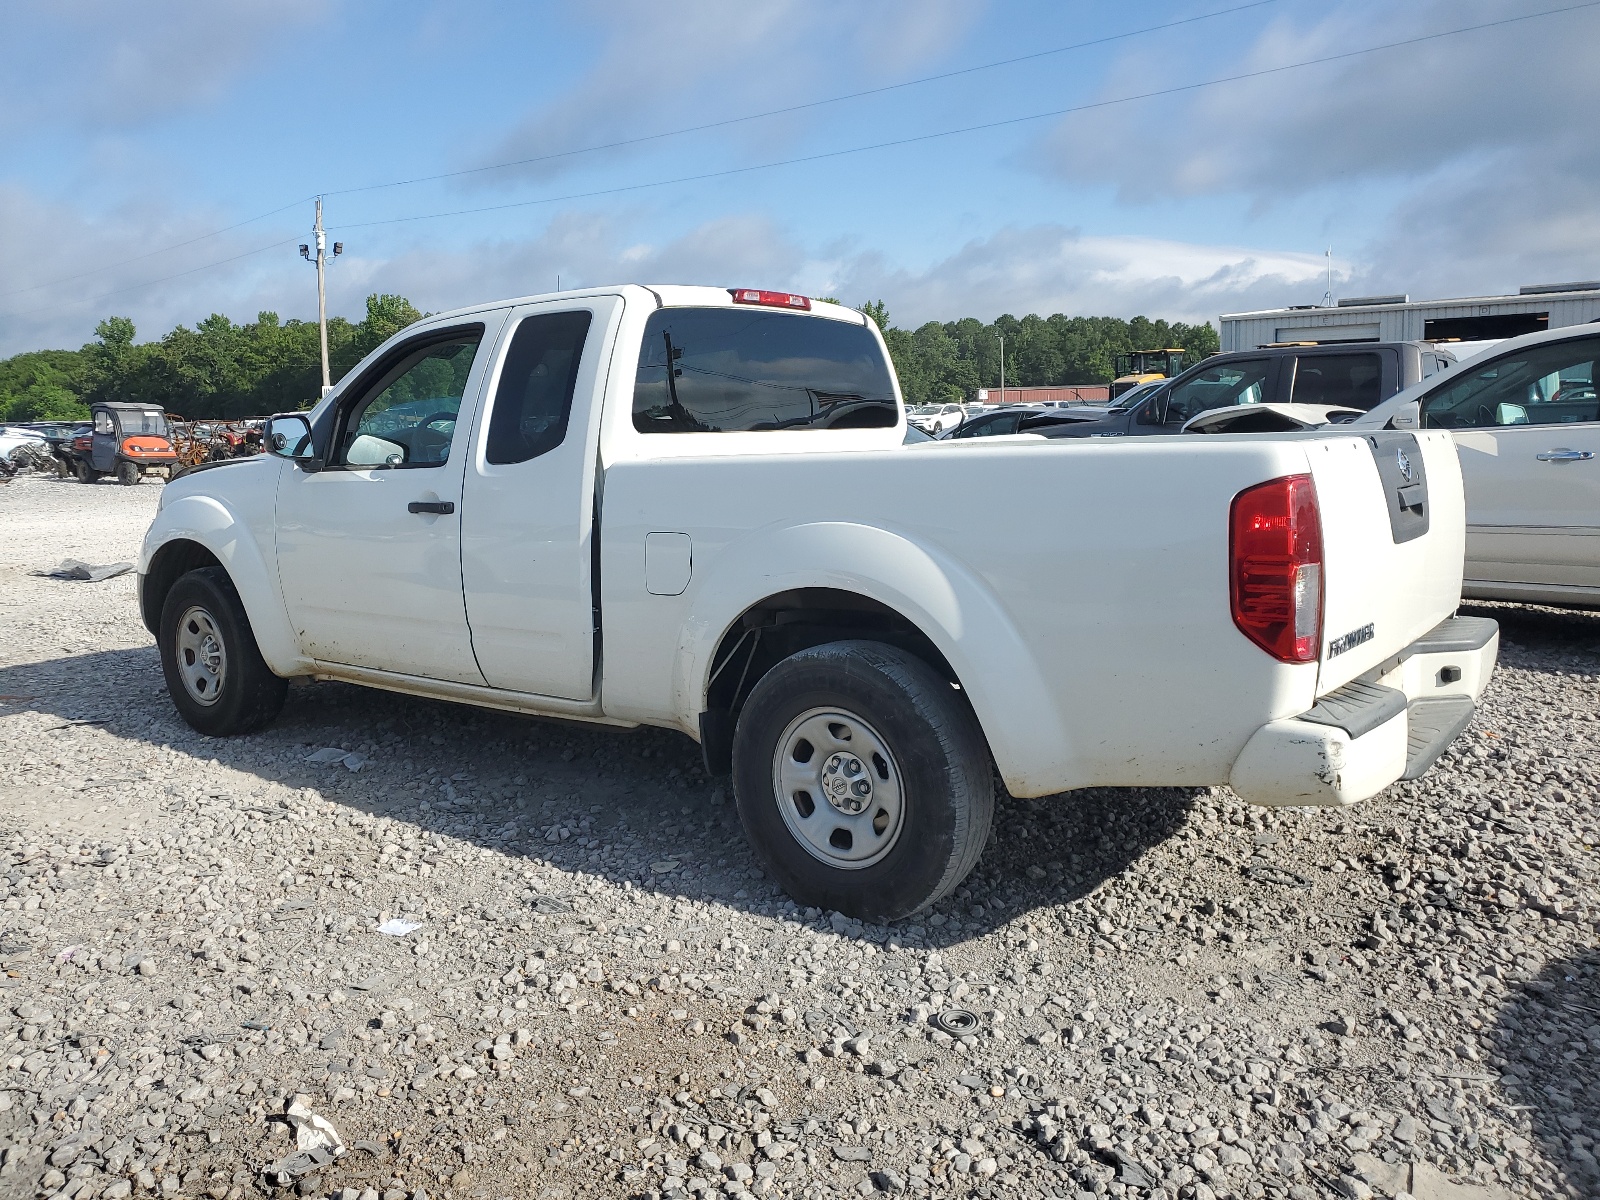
(1174,995)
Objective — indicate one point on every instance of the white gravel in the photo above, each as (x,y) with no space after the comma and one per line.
(1175,995)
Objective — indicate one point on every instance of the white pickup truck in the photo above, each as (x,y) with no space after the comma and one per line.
(690,507)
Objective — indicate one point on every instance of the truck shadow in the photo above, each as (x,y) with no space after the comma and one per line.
(1546,1031)
(630,805)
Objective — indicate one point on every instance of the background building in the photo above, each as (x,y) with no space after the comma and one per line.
(1398,319)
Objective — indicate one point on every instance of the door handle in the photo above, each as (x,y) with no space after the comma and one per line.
(437,507)
(1565,455)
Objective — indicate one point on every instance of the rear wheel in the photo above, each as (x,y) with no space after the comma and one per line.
(863,780)
(213,667)
(128,473)
(84,471)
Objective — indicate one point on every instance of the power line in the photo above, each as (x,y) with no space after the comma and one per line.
(809,104)
(149,282)
(986,125)
(897,142)
(162,250)
(655,137)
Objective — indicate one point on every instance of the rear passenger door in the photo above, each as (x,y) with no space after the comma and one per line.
(1350,379)
(1527,427)
(527,523)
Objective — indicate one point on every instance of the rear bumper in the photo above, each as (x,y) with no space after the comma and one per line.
(1370,733)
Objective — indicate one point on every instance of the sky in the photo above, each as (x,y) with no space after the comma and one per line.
(1178,159)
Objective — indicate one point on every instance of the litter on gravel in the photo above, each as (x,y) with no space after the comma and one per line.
(395,927)
(83,572)
(329,755)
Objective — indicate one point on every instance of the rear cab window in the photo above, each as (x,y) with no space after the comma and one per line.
(738,370)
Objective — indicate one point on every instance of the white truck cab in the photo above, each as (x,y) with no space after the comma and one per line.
(692,508)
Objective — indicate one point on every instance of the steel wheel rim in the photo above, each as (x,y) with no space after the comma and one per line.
(838,788)
(202,656)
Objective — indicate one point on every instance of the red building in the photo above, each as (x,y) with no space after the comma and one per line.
(1087,393)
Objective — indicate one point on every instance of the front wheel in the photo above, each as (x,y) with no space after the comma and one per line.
(127,473)
(214,670)
(862,780)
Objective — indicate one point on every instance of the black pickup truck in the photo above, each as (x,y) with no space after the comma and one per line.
(1356,376)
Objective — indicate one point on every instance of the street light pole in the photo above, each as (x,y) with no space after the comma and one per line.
(322,259)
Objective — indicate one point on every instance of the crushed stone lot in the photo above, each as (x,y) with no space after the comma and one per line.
(518,958)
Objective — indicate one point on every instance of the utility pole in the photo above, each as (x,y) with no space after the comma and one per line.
(322,259)
(1327,296)
(1002,338)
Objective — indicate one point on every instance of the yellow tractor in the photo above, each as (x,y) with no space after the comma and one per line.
(1145,366)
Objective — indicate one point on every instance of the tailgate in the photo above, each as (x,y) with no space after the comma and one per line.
(1393,536)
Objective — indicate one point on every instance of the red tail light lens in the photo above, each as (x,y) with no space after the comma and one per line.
(770,299)
(1275,567)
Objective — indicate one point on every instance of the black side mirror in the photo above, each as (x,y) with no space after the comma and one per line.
(1152,410)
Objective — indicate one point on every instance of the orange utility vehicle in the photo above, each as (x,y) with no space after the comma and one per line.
(124,440)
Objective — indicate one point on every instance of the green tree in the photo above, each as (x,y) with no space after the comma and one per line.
(878,311)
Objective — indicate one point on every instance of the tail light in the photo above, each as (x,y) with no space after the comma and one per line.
(770,299)
(1275,567)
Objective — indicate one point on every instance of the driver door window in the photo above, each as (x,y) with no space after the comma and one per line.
(1553,384)
(1219,387)
(408,417)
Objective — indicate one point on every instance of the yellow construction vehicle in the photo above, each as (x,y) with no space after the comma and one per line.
(1145,366)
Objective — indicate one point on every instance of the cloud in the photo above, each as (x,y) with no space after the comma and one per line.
(1393,115)
(108,65)
(1049,268)
(1459,165)
(585,250)
(1038,268)
(101,265)
(726,57)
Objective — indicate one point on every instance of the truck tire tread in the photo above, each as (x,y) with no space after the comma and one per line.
(943,759)
(251,694)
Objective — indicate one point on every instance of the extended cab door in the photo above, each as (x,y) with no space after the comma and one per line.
(1527,427)
(369,547)
(527,521)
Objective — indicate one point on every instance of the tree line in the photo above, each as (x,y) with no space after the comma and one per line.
(216,369)
(220,369)
(939,362)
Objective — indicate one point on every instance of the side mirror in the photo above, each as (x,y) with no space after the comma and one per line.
(288,435)
(1407,416)
(1510,414)
(1153,409)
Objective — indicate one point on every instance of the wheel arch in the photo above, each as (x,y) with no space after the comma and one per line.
(199,531)
(826,582)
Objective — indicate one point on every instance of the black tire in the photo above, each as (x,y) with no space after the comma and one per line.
(84,472)
(245,694)
(938,762)
(127,473)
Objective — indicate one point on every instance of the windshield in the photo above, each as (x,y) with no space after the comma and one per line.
(141,421)
(925,410)
(1128,399)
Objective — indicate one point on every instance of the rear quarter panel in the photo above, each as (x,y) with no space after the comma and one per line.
(1079,589)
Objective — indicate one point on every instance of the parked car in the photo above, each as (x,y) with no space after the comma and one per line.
(642,506)
(1526,423)
(1356,376)
(936,418)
